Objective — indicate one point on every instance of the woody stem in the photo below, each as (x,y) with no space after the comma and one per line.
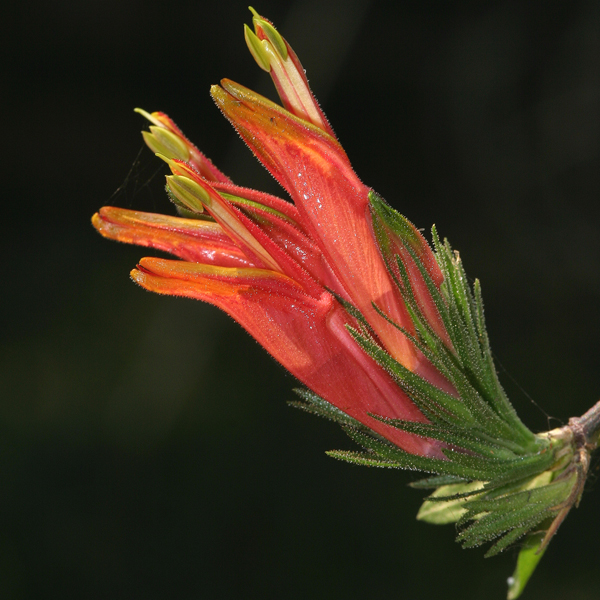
(588,426)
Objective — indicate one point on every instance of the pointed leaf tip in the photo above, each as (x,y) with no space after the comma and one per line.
(526,564)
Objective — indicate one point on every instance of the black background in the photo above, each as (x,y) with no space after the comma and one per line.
(146,450)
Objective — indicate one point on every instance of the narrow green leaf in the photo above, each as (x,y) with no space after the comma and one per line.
(420,390)
(316,405)
(351,309)
(462,437)
(550,495)
(513,535)
(527,466)
(436,481)
(492,525)
(413,462)
(494,489)
(362,458)
(526,564)
(499,399)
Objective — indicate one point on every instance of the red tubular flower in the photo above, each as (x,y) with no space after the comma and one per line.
(349,297)
(289,273)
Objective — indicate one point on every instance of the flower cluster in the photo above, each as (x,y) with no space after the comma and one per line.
(350,298)
(284,271)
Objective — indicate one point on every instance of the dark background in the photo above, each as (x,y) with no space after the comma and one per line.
(146,450)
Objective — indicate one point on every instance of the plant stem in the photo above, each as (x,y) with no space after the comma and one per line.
(589,426)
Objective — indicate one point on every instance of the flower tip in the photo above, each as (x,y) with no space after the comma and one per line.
(179,167)
(108,224)
(266,31)
(274,55)
(230,87)
(217,93)
(228,93)
(141,276)
(165,143)
(232,92)
(143,268)
(163,157)
(256,49)
(149,116)
(187,193)
(101,221)
(97,222)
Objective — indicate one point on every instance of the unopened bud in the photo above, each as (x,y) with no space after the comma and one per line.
(279,44)
(273,54)
(257,50)
(188,193)
(163,141)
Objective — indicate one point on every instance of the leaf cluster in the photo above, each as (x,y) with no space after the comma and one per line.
(494,477)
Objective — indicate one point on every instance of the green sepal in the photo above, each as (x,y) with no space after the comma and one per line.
(315,405)
(436,481)
(467,364)
(472,342)
(352,310)
(365,459)
(523,468)
(385,216)
(466,438)
(492,525)
(424,394)
(511,515)
(513,535)
(549,495)
(414,462)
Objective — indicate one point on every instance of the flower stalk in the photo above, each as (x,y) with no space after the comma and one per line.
(383,329)
(587,428)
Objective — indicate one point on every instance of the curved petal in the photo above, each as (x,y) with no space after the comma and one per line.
(305,335)
(333,202)
(190,239)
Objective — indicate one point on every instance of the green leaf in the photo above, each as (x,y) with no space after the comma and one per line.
(466,438)
(450,511)
(529,557)
(435,481)
(362,458)
(423,393)
(471,368)
(317,406)
(512,536)
(351,310)
(414,462)
(494,524)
